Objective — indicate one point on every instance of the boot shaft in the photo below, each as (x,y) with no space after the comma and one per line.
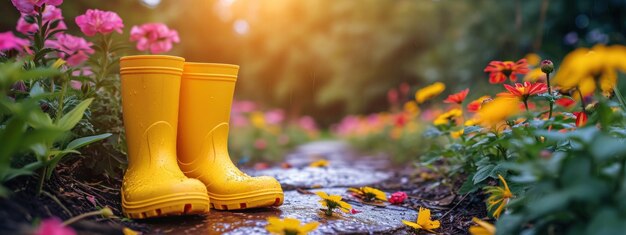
(206,97)
(150,96)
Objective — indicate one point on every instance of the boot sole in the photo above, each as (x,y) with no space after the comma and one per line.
(169,205)
(247,200)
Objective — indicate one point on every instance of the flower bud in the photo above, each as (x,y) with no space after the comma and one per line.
(107,212)
(19,86)
(547,66)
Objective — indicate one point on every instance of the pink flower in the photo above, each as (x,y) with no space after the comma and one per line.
(155,37)
(398,198)
(274,117)
(307,123)
(28,6)
(355,211)
(260,144)
(8,41)
(84,71)
(96,21)
(75,50)
(54,226)
(238,120)
(50,14)
(243,106)
(76,85)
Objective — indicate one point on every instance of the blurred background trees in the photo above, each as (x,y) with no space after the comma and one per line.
(329,58)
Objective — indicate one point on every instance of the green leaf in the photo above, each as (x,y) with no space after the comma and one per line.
(38,119)
(69,120)
(38,73)
(468,185)
(80,142)
(483,173)
(11,173)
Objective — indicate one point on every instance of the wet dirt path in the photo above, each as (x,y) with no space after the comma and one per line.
(345,170)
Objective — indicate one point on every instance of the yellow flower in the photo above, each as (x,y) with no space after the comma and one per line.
(497,111)
(331,202)
(472,122)
(320,163)
(500,196)
(411,108)
(423,221)
(289,226)
(258,120)
(369,194)
(456,134)
(482,228)
(584,68)
(429,92)
(445,118)
(58,63)
(532,59)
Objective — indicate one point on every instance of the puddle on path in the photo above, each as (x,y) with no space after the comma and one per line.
(346,170)
(304,207)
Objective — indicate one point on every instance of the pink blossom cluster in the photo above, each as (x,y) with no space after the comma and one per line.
(50,14)
(28,6)
(74,50)
(154,37)
(8,41)
(96,21)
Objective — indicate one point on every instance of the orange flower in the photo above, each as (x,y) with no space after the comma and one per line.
(581,118)
(475,105)
(457,98)
(525,90)
(499,71)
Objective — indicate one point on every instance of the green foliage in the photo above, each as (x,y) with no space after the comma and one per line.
(565,177)
(27,132)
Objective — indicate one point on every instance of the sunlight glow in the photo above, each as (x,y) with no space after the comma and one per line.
(151,3)
(241,27)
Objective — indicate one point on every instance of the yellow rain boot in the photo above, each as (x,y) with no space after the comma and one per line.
(206,96)
(153,185)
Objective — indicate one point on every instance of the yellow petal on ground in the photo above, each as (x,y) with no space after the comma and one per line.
(322,194)
(411,224)
(483,228)
(309,227)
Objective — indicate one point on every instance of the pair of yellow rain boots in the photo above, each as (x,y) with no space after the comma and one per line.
(176,117)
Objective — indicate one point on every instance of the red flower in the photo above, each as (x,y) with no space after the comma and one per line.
(398,197)
(565,102)
(355,211)
(457,98)
(475,105)
(499,71)
(581,118)
(400,120)
(523,91)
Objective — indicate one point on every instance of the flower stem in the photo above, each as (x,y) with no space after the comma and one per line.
(329,211)
(81,216)
(61,100)
(582,100)
(526,105)
(620,98)
(551,97)
(42,178)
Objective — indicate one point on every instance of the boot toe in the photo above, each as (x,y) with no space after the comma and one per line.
(251,192)
(157,198)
